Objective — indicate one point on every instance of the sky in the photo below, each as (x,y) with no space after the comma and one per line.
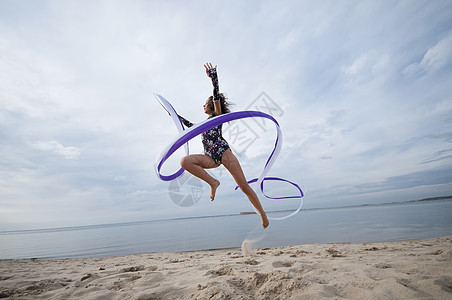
(361,89)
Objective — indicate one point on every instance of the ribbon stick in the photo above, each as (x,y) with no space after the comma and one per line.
(185,136)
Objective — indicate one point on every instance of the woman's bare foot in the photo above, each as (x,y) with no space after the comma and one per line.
(265,221)
(213,189)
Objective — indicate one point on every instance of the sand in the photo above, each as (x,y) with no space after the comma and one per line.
(419,269)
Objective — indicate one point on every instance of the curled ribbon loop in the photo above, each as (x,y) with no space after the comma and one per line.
(185,136)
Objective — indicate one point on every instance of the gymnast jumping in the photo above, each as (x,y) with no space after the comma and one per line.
(217,150)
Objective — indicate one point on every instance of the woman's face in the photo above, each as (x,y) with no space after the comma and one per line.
(207,109)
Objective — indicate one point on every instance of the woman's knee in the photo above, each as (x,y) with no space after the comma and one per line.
(185,162)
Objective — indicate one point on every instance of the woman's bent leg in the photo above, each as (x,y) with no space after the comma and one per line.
(232,164)
(196,165)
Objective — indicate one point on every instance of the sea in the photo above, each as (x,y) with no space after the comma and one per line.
(355,224)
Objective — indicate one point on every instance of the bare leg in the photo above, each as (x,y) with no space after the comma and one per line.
(196,165)
(232,164)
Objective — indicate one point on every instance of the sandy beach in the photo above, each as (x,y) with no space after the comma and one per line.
(418,269)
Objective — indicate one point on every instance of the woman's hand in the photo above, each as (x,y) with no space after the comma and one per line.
(209,67)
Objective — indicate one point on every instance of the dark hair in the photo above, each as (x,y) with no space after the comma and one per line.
(223,101)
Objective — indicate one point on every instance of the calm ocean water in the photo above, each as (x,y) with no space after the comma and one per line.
(389,222)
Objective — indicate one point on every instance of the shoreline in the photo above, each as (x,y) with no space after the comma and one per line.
(239,249)
(380,270)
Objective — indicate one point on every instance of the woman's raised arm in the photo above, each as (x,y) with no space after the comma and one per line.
(212,73)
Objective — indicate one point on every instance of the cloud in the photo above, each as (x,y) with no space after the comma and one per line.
(367,67)
(419,178)
(68,152)
(437,57)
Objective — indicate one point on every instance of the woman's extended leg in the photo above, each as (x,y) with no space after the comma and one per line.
(196,165)
(232,164)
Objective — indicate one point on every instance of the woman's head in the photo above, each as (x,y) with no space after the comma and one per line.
(209,108)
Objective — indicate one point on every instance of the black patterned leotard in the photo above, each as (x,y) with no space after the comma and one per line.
(212,140)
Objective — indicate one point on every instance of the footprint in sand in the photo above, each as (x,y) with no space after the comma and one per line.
(133,269)
(445,284)
(86,277)
(282,264)
(219,272)
(382,266)
(251,262)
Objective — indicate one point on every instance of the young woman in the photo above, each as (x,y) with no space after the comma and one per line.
(217,150)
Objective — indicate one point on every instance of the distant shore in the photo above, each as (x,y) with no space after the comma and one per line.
(358,205)
(215,216)
(386,270)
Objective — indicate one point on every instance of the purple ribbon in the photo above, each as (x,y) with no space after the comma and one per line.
(185,136)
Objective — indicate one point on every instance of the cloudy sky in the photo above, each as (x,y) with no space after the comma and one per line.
(362,91)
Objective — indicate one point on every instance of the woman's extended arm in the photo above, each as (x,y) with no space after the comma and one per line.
(212,73)
(185,121)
